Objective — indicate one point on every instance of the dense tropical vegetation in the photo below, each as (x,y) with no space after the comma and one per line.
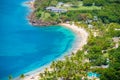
(102,53)
(107,10)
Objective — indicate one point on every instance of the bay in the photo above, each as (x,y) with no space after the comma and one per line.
(23,47)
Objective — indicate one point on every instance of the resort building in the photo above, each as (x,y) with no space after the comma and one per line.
(57,10)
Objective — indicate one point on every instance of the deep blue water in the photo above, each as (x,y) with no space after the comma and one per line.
(23,47)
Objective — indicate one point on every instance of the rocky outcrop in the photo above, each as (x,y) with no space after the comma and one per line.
(38,22)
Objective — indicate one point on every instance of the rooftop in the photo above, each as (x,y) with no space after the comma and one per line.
(55,9)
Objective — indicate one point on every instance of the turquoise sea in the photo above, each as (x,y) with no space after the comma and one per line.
(23,47)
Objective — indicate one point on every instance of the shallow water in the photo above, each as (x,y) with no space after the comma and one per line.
(23,47)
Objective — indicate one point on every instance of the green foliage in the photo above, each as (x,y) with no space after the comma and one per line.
(88,2)
(10,77)
(69,69)
(112,30)
(41,4)
(38,14)
(110,9)
(100,2)
(72,1)
(22,76)
(110,13)
(99,48)
(109,74)
(107,12)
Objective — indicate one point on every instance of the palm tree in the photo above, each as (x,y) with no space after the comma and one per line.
(46,71)
(10,77)
(22,76)
(53,65)
(41,75)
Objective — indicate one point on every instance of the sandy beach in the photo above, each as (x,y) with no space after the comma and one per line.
(81,34)
(81,40)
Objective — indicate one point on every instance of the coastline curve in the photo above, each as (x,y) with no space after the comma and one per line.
(81,40)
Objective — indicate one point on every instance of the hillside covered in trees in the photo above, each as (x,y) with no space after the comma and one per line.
(76,10)
(102,51)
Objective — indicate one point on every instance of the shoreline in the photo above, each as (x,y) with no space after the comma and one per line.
(81,40)
(29,4)
(81,34)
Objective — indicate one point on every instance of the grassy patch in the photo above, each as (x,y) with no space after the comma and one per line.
(85,8)
(45,15)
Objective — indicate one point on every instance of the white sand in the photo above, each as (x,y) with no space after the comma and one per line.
(81,40)
(82,36)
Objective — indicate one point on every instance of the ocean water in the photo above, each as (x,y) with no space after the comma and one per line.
(24,47)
